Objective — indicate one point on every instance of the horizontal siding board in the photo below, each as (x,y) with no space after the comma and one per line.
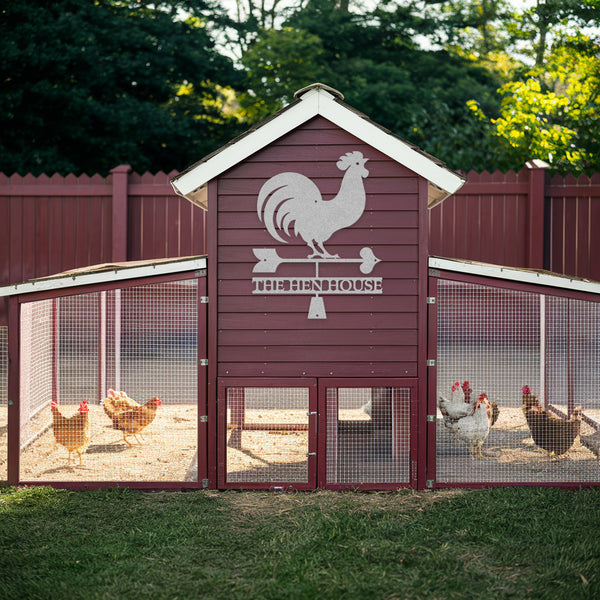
(300,304)
(370,219)
(396,201)
(329,187)
(384,253)
(240,321)
(311,168)
(319,337)
(385,269)
(307,368)
(352,236)
(244,287)
(333,354)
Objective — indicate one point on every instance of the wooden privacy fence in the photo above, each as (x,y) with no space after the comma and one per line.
(53,224)
(524,219)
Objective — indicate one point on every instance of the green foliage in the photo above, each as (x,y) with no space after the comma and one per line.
(118,543)
(553,113)
(374,61)
(89,85)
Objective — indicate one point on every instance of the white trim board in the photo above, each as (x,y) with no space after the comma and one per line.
(514,274)
(318,101)
(104,274)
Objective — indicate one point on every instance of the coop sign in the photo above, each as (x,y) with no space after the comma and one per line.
(317,285)
(290,198)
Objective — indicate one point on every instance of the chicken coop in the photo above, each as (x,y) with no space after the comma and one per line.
(91,351)
(317,345)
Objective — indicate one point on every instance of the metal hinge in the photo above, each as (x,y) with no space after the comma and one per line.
(205,484)
(311,412)
(204,362)
(431,362)
(203,299)
(311,454)
(203,418)
(434,273)
(200,273)
(430,299)
(429,483)
(431,418)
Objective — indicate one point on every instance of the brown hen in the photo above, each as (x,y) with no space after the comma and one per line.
(134,420)
(72,432)
(550,432)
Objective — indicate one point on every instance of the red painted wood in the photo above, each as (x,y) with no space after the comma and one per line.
(307,368)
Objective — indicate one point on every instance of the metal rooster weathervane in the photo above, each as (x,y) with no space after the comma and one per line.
(290,198)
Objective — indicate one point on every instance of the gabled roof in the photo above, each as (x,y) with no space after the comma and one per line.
(317,99)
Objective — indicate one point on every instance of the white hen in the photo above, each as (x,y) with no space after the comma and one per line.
(455,408)
(473,429)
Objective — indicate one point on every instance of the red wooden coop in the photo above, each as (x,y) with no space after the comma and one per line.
(310,347)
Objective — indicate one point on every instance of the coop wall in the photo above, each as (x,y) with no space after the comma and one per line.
(140,339)
(270,335)
(500,340)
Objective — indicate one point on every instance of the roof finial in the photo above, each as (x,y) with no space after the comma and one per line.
(327,88)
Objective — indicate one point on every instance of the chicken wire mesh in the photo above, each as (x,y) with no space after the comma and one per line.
(499,341)
(267,434)
(3,402)
(368,435)
(141,342)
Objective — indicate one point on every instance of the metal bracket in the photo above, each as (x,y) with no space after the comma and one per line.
(200,273)
(311,412)
(204,362)
(431,362)
(311,454)
(203,299)
(431,418)
(203,418)
(205,484)
(430,299)
(430,483)
(434,273)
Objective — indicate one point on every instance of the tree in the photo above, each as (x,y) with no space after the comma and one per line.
(553,113)
(374,60)
(89,85)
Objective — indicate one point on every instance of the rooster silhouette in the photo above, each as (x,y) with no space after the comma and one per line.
(293,198)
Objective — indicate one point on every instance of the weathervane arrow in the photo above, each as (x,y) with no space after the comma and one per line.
(269,260)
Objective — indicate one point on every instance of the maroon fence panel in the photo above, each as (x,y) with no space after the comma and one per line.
(573,206)
(52,224)
(487,220)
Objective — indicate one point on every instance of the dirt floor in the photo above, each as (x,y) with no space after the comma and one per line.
(510,455)
(166,454)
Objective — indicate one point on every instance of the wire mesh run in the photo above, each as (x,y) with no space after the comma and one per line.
(267,435)
(3,402)
(109,387)
(368,435)
(497,341)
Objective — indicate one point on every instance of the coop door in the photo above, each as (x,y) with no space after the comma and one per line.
(268,434)
(365,433)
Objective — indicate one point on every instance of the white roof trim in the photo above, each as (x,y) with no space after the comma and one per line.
(513,274)
(119,272)
(316,101)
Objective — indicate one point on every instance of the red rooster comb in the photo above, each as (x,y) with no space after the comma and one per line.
(84,406)
(526,390)
(53,404)
(465,385)
(455,386)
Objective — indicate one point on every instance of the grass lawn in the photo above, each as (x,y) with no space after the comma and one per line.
(117,543)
